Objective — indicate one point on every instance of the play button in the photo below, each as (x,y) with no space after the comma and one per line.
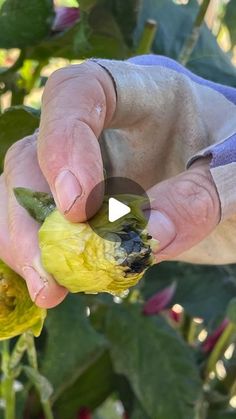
(116,209)
(124,203)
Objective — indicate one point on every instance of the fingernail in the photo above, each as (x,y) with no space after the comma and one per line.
(34,281)
(67,189)
(161,228)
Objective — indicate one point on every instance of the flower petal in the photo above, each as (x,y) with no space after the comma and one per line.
(159,301)
(65,18)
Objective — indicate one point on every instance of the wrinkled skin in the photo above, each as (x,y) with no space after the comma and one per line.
(79,102)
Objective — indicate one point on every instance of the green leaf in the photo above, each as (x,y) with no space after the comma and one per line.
(41,383)
(21,400)
(90,389)
(208,60)
(204,291)
(16,123)
(106,38)
(229,19)
(38,204)
(130,402)
(24,23)
(221,415)
(231,310)
(72,344)
(138,412)
(158,364)
(58,45)
(125,14)
(95,36)
(86,4)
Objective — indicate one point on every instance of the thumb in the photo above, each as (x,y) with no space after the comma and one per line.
(184,210)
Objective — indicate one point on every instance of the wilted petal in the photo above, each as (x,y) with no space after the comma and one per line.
(159,301)
(113,266)
(18,314)
(211,340)
(65,18)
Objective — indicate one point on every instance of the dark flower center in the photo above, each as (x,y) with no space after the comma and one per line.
(137,249)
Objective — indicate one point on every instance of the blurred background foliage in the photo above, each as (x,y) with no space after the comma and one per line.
(167,349)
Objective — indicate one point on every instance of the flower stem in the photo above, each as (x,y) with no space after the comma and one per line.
(17,97)
(17,352)
(201,409)
(191,332)
(7,383)
(192,39)
(32,357)
(36,75)
(147,37)
(220,348)
(47,410)
(31,351)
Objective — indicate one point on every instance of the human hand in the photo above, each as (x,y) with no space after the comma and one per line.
(78,104)
(184,210)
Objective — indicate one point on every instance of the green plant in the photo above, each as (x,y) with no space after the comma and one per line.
(167,349)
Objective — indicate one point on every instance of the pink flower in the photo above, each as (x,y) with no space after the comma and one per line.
(65,18)
(84,413)
(211,340)
(159,301)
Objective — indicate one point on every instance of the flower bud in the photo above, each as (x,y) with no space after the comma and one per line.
(84,413)
(65,18)
(159,301)
(212,339)
(174,315)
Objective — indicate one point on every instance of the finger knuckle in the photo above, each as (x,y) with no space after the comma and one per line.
(57,77)
(194,200)
(16,152)
(64,74)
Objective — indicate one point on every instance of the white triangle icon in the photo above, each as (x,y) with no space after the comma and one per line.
(116,209)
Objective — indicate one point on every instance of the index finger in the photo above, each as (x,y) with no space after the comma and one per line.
(78,103)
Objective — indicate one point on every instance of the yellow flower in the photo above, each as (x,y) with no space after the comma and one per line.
(81,260)
(18,313)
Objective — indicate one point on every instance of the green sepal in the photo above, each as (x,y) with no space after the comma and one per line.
(134,219)
(38,204)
